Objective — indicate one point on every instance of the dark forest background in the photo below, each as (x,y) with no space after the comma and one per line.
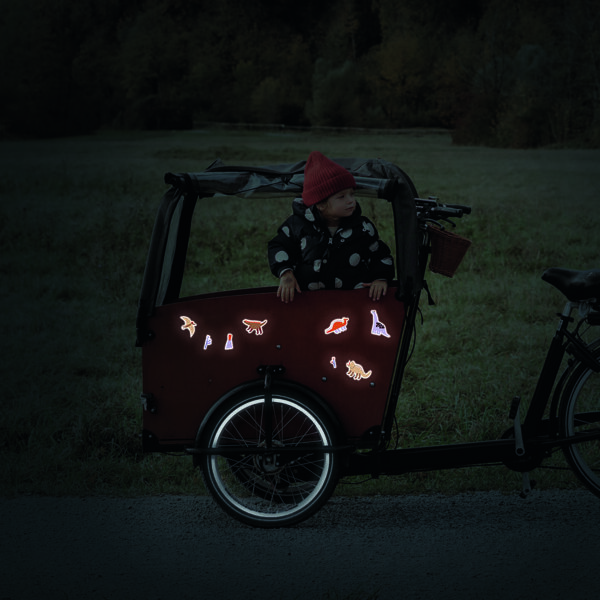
(517,73)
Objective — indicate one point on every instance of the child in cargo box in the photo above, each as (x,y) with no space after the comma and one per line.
(327,243)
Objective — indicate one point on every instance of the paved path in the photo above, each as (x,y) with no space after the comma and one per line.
(485,546)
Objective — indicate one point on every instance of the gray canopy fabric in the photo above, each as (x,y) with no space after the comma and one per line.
(281,180)
(170,237)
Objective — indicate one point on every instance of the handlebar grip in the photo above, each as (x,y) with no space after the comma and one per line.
(465,209)
(447,211)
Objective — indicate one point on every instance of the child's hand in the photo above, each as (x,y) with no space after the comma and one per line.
(288,286)
(377,289)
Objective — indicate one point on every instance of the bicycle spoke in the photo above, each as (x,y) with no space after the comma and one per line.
(270,486)
(580,420)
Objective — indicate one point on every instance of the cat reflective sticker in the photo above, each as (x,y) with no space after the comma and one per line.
(337,326)
(378,328)
(189,325)
(356,371)
(254,326)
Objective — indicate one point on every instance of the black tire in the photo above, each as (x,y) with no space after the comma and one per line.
(579,413)
(276,489)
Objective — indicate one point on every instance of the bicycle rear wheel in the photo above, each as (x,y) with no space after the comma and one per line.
(579,414)
(277,486)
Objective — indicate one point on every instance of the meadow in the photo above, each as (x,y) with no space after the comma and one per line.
(76,216)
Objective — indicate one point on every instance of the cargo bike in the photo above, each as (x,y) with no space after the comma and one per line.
(276,402)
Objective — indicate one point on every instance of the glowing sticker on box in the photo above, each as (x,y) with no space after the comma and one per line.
(356,371)
(254,326)
(337,326)
(378,328)
(333,362)
(189,325)
(229,342)
(207,341)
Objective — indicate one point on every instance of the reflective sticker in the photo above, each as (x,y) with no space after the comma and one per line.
(207,341)
(333,362)
(356,371)
(378,328)
(229,343)
(189,325)
(337,326)
(254,326)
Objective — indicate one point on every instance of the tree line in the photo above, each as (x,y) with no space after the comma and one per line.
(516,73)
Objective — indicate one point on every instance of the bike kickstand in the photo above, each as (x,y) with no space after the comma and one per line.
(515,415)
(527,485)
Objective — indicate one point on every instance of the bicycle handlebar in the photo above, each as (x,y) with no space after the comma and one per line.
(430,209)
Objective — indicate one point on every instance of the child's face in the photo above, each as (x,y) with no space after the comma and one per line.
(339,205)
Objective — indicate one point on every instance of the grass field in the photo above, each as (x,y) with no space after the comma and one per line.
(76,217)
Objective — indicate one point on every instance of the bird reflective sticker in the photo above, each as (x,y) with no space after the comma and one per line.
(356,371)
(337,326)
(229,342)
(378,328)
(333,362)
(207,341)
(254,326)
(189,325)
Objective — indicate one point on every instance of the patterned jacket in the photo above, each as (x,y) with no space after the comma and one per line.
(352,256)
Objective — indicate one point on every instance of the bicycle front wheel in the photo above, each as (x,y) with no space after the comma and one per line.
(270,483)
(580,419)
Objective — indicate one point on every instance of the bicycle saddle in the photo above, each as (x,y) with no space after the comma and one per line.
(577,286)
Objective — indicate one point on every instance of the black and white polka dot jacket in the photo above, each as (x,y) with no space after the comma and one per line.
(353,255)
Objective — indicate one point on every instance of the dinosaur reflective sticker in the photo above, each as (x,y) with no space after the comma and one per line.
(189,325)
(356,371)
(229,342)
(254,326)
(337,326)
(333,362)
(378,328)
(207,341)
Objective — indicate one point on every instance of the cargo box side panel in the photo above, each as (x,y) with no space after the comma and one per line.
(340,344)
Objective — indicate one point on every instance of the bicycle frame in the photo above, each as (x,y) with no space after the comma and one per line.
(522,448)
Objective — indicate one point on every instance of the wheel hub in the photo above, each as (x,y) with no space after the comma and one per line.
(270,462)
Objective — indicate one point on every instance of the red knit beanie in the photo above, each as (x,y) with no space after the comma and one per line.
(324,178)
